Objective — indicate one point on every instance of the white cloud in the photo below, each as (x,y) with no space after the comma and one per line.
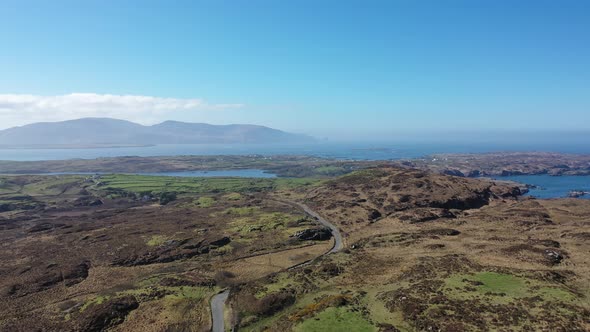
(19,109)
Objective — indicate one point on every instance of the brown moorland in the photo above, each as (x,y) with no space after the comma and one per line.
(433,253)
(422,251)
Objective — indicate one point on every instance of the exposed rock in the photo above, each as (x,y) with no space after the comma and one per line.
(442,232)
(159,256)
(422,215)
(76,274)
(274,303)
(474,173)
(578,193)
(453,172)
(383,327)
(171,251)
(13,290)
(100,317)
(313,234)
(554,257)
(331,270)
(374,215)
(477,199)
(177,282)
(87,201)
(220,243)
(507,163)
(407,194)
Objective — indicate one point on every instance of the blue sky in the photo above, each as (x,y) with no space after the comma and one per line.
(327,68)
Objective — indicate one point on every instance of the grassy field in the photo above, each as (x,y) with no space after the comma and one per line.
(335,320)
(232,186)
(503,288)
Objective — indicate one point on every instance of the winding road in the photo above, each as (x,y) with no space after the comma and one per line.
(338,243)
(217,306)
(218,301)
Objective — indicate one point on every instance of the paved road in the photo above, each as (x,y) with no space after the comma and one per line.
(338,243)
(218,301)
(217,308)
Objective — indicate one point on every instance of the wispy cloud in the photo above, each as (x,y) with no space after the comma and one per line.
(18,109)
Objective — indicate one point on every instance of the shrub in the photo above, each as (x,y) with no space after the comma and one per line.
(167,197)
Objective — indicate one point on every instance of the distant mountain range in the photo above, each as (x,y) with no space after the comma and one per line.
(106,131)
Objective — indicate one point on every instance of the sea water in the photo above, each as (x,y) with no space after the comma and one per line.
(547,186)
(346,151)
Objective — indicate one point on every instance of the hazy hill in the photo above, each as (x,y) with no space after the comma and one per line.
(91,131)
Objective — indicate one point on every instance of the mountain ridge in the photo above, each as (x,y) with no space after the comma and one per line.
(101,131)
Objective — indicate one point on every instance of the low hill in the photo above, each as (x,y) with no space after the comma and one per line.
(408,195)
(106,131)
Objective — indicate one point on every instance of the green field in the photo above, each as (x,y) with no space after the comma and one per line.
(336,320)
(197,185)
(503,288)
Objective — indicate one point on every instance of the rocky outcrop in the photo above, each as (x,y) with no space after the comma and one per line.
(101,317)
(190,282)
(87,201)
(406,194)
(506,164)
(453,172)
(553,257)
(578,193)
(420,215)
(374,215)
(171,251)
(313,234)
(50,276)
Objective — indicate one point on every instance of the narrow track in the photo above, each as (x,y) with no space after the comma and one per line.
(217,306)
(218,301)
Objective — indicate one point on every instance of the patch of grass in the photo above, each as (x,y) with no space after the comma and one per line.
(291,183)
(379,312)
(205,202)
(151,284)
(233,196)
(157,240)
(281,280)
(228,249)
(8,188)
(557,293)
(198,185)
(201,202)
(336,320)
(490,282)
(186,292)
(503,288)
(262,222)
(97,300)
(51,185)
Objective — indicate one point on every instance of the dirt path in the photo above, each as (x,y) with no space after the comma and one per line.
(218,301)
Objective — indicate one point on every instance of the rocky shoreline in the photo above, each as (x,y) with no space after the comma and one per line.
(505,164)
(578,193)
